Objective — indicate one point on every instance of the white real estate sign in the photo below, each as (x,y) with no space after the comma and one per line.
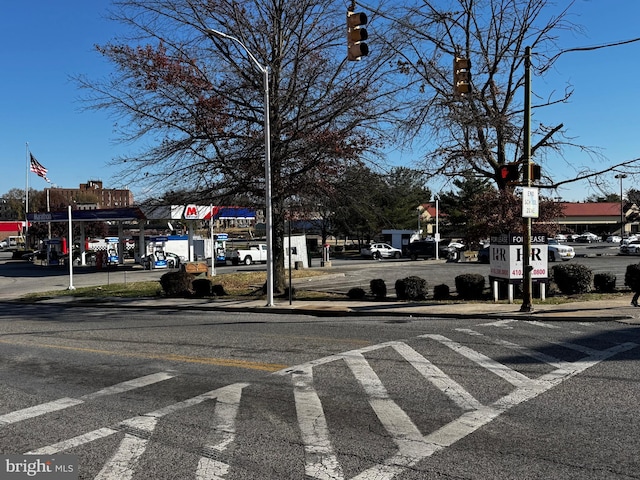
(506,257)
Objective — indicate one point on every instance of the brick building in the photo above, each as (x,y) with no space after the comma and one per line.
(92,195)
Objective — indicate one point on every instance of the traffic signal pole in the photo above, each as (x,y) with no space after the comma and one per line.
(527,284)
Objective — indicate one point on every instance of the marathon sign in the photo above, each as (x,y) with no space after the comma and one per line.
(506,260)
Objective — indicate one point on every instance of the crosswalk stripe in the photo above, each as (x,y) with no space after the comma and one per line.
(320,460)
(73,442)
(535,354)
(512,376)
(438,378)
(138,430)
(62,403)
(403,431)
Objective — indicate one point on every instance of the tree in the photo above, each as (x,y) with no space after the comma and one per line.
(197,100)
(607,198)
(481,130)
(404,189)
(457,204)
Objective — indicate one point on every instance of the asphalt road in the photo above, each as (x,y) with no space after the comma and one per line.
(171,394)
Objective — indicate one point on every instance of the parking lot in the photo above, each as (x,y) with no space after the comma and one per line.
(19,277)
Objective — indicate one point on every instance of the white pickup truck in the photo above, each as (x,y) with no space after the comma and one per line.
(256,253)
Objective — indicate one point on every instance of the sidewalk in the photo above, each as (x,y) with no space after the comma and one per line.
(617,309)
(600,310)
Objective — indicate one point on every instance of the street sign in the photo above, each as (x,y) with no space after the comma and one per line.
(530,202)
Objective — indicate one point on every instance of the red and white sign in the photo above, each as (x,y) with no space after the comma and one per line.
(191,212)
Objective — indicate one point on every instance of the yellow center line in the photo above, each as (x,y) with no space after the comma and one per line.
(223,362)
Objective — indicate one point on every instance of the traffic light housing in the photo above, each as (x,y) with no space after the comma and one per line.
(356,34)
(461,75)
(535,171)
(510,172)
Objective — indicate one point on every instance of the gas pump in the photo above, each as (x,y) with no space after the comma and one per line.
(220,247)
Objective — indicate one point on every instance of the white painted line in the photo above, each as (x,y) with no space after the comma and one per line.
(37,410)
(122,464)
(210,469)
(62,403)
(469,422)
(500,324)
(396,422)
(513,377)
(538,323)
(129,385)
(535,354)
(438,378)
(222,434)
(320,460)
(73,442)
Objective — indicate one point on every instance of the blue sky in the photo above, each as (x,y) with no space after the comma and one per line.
(43,43)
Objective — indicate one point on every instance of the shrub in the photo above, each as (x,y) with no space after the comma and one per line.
(470,286)
(572,278)
(604,282)
(632,277)
(441,292)
(378,288)
(356,293)
(411,288)
(218,290)
(285,294)
(201,287)
(177,284)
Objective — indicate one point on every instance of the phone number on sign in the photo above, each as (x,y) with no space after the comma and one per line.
(540,272)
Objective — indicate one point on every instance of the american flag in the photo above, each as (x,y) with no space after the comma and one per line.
(37,167)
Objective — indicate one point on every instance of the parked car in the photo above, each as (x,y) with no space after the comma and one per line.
(559,251)
(613,239)
(588,237)
(629,239)
(426,249)
(561,237)
(381,250)
(483,255)
(632,248)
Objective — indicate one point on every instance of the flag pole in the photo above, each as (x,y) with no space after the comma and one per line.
(26,200)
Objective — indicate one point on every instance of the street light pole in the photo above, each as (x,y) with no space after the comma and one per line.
(267,163)
(621,176)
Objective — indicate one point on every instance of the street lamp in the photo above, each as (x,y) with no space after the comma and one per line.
(267,162)
(621,176)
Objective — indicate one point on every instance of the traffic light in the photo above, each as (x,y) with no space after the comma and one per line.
(356,34)
(510,172)
(461,75)
(534,171)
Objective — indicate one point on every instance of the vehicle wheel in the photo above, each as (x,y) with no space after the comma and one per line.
(377,256)
(413,257)
(396,255)
(552,257)
(247,260)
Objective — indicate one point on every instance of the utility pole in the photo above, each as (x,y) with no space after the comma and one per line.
(527,300)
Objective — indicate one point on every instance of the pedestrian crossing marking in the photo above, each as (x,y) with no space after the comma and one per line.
(320,458)
(412,446)
(63,403)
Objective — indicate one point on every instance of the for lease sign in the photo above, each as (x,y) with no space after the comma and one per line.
(506,257)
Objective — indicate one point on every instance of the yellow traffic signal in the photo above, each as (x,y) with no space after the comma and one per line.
(356,34)
(461,75)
